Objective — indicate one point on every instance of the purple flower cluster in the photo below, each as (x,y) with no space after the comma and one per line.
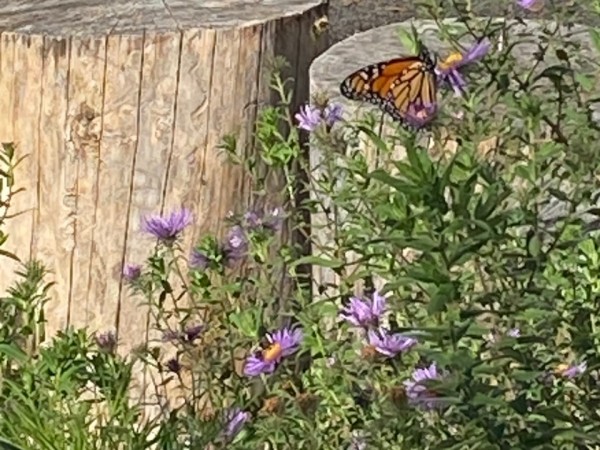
(390,344)
(367,313)
(258,221)
(417,116)
(198,260)
(310,116)
(418,388)
(106,342)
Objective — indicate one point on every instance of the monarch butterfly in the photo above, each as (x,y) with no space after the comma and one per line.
(401,86)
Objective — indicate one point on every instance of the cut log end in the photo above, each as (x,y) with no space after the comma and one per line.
(106,17)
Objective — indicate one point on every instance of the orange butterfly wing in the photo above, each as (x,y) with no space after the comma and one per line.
(394,85)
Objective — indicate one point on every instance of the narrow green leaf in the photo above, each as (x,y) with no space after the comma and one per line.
(13,352)
(317,261)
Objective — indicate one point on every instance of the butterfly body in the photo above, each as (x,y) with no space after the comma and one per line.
(398,86)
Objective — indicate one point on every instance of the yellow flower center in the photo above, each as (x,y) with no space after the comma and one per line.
(272,352)
(451,60)
(561,368)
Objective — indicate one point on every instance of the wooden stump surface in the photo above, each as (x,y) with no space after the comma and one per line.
(120,107)
(380,44)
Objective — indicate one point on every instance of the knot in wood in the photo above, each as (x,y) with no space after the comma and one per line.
(85,132)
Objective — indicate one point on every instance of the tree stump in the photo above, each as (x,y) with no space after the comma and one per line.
(380,44)
(120,106)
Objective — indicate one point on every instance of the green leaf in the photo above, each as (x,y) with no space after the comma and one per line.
(534,247)
(485,400)
(13,352)
(397,183)
(331,263)
(8,254)
(407,40)
(443,295)
(526,376)
(595,35)
(246,322)
(524,171)
(7,445)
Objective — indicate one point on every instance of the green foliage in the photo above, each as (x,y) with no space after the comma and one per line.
(483,238)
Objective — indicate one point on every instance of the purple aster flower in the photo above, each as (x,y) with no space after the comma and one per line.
(236,245)
(272,220)
(417,389)
(235,419)
(364,312)
(531,5)
(173,365)
(192,333)
(358,443)
(167,227)
(282,343)
(421,115)
(131,272)
(514,333)
(573,370)
(253,220)
(332,114)
(390,344)
(448,70)
(107,341)
(309,117)
(198,260)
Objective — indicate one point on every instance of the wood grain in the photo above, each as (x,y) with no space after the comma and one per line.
(120,107)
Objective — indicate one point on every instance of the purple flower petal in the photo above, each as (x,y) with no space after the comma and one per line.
(448,71)
(309,117)
(198,260)
(131,272)
(417,391)
(531,5)
(364,312)
(235,420)
(389,344)
(167,227)
(283,342)
(332,114)
(574,370)
(236,245)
